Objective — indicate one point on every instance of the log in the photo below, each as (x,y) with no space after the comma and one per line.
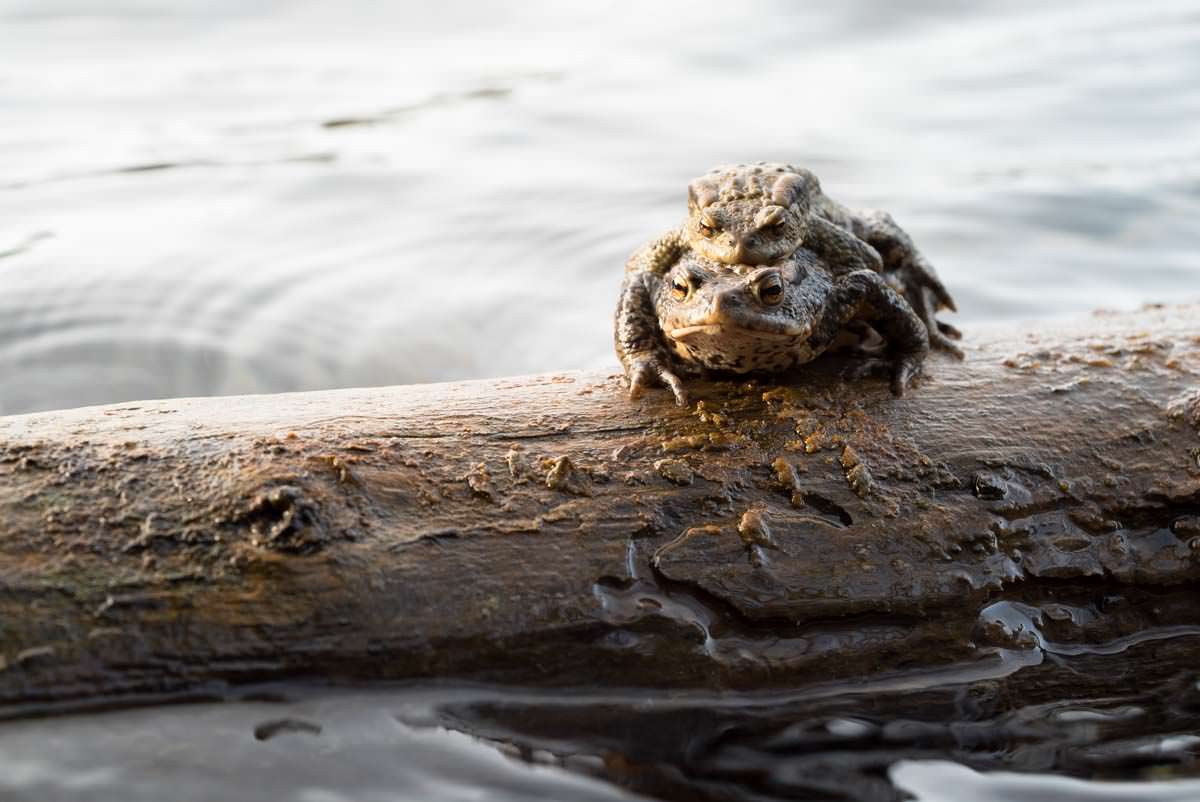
(548,531)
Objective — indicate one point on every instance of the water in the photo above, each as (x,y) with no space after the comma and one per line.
(353,748)
(209,197)
(870,742)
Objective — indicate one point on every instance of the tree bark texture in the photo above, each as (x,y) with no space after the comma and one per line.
(546,530)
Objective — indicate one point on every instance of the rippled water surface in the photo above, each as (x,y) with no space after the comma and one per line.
(207,196)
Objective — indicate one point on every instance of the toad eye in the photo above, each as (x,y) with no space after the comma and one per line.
(679,288)
(770,291)
(707,226)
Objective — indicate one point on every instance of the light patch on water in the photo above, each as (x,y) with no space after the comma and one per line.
(942,781)
(198,753)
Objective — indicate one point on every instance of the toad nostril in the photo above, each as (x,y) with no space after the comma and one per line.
(723,302)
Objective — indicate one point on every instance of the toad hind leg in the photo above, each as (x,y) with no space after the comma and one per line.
(899,253)
(941,335)
(639,341)
(921,286)
(865,295)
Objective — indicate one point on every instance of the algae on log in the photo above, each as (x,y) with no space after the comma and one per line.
(547,530)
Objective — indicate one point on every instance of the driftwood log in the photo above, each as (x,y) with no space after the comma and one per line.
(547,530)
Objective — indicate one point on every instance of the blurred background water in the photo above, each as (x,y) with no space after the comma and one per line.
(208,197)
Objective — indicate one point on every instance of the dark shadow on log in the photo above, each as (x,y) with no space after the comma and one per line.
(548,531)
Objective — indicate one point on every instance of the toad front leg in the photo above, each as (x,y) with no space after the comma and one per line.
(639,338)
(865,295)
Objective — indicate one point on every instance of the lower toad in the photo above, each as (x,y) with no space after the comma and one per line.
(702,314)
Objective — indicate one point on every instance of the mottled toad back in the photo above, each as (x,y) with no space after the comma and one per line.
(750,215)
(704,314)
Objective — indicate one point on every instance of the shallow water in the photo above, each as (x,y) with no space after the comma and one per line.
(206,197)
(209,197)
(864,741)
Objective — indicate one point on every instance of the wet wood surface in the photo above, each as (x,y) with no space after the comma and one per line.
(546,530)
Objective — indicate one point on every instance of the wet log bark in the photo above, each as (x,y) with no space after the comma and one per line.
(546,530)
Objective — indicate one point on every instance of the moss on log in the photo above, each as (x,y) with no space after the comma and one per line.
(547,530)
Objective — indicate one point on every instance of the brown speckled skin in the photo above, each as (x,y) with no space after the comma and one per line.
(756,214)
(696,313)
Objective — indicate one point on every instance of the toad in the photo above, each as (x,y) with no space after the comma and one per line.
(757,214)
(702,314)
